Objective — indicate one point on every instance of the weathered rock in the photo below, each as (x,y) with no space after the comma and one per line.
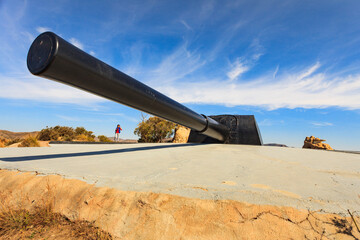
(316,143)
(181,134)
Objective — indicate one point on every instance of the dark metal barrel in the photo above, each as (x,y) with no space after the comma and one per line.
(52,57)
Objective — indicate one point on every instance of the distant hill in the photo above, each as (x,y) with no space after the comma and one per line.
(13,135)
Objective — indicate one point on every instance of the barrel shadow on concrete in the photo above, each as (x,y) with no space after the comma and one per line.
(103,152)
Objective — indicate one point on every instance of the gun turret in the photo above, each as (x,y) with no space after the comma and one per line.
(53,58)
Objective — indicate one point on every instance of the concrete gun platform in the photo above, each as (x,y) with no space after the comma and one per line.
(300,178)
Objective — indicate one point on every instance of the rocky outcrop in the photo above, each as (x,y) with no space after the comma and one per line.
(181,134)
(316,143)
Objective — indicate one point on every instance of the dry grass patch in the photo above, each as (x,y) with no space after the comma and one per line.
(25,217)
(43,223)
(103,138)
(30,141)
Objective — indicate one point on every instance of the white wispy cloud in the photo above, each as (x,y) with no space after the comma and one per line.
(92,53)
(121,115)
(42,29)
(76,43)
(256,49)
(186,25)
(177,65)
(245,63)
(226,37)
(309,71)
(276,71)
(270,122)
(322,124)
(303,88)
(27,87)
(68,118)
(238,68)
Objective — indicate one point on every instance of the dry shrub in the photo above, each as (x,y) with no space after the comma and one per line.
(15,220)
(81,137)
(56,133)
(63,133)
(12,141)
(30,141)
(2,142)
(41,222)
(84,138)
(103,138)
(90,139)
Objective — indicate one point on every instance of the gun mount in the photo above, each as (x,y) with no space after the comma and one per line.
(53,58)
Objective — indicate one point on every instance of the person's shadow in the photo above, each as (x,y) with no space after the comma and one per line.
(102,152)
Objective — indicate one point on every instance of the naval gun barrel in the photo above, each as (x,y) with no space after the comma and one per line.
(53,58)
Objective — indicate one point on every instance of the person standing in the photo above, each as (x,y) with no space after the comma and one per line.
(117,133)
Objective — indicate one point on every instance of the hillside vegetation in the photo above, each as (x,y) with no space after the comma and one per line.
(63,133)
(40,138)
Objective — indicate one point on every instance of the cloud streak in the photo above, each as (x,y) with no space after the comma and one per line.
(76,43)
(176,66)
(186,25)
(322,124)
(42,29)
(31,88)
(237,70)
(269,122)
(301,89)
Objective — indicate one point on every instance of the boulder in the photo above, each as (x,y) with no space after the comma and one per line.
(181,134)
(316,143)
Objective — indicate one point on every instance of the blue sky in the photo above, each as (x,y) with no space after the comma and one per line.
(295,65)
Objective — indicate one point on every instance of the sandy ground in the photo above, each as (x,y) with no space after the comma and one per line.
(147,215)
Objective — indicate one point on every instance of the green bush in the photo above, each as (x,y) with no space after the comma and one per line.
(154,129)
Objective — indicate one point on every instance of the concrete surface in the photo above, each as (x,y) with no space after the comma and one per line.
(301,178)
